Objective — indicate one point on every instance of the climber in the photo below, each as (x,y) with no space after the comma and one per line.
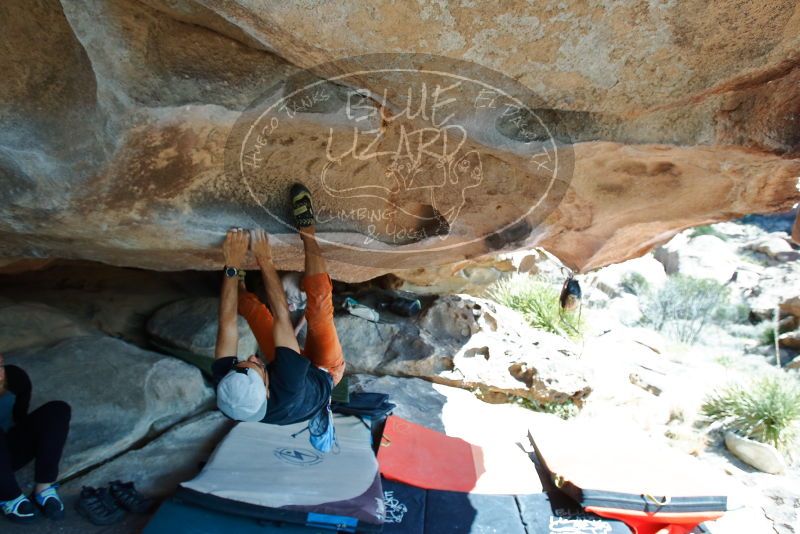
(24,436)
(292,385)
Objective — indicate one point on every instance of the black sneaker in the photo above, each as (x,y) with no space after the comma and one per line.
(50,503)
(302,208)
(98,507)
(128,498)
(19,510)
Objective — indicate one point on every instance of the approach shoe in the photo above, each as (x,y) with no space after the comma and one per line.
(126,496)
(50,503)
(19,510)
(98,506)
(302,208)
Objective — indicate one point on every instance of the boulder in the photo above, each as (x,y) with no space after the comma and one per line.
(29,324)
(365,344)
(611,279)
(776,247)
(704,256)
(791,306)
(470,343)
(790,340)
(475,276)
(668,129)
(174,457)
(448,409)
(190,325)
(119,393)
(762,456)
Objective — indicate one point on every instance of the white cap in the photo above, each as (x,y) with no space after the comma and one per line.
(241,396)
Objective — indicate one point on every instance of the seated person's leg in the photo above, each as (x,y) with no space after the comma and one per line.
(50,426)
(16,449)
(14,453)
(260,320)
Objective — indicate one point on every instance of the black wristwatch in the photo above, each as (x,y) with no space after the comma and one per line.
(231,272)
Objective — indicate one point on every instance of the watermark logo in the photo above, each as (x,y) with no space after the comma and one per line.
(395,510)
(404,154)
(304,457)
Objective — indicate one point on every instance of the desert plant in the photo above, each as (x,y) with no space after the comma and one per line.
(635,283)
(564,410)
(538,303)
(767,336)
(766,410)
(684,305)
(738,313)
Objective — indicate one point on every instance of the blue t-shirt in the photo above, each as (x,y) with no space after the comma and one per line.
(297,389)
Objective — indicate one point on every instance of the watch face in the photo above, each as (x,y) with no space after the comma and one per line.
(230,272)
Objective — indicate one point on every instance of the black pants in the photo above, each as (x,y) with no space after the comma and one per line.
(41,435)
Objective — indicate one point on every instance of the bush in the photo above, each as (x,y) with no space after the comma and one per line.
(635,283)
(566,410)
(538,303)
(684,305)
(768,410)
(767,336)
(735,313)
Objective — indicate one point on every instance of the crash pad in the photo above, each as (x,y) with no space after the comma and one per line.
(271,472)
(619,472)
(428,459)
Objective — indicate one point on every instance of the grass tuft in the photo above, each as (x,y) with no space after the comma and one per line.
(538,303)
(766,410)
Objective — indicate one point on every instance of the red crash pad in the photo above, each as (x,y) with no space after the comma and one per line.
(421,457)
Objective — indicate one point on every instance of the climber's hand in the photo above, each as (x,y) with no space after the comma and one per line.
(235,247)
(259,244)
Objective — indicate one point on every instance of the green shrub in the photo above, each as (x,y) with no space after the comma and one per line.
(565,410)
(635,283)
(707,230)
(767,336)
(684,305)
(538,303)
(766,410)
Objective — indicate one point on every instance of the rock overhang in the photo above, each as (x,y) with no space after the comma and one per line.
(123,160)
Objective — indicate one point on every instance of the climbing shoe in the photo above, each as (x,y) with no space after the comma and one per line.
(128,498)
(302,208)
(19,510)
(98,506)
(50,503)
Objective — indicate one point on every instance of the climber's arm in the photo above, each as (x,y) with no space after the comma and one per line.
(283,331)
(234,250)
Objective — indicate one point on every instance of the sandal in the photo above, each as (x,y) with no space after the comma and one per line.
(19,510)
(50,503)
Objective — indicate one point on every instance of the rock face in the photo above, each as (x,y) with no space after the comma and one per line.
(28,324)
(131,393)
(470,343)
(157,468)
(116,114)
(190,325)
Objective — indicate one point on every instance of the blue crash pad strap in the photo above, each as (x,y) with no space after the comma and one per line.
(334,522)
